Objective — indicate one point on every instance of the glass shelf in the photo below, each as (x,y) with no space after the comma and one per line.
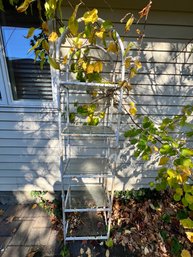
(88,131)
(87,198)
(87,85)
(87,168)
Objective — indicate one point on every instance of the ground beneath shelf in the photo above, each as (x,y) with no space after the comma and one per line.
(145,223)
(96,249)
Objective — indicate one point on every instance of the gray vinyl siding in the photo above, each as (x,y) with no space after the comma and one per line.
(28,149)
(28,136)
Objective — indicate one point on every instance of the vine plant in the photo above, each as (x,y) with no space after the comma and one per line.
(170,144)
(85,66)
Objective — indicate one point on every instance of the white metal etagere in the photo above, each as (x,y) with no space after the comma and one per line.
(87,182)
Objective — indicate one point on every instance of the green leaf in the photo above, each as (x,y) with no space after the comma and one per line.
(165,149)
(1,6)
(30,32)
(187,152)
(72,22)
(133,141)
(132,132)
(182,214)
(107,25)
(189,198)
(73,26)
(109,242)
(177,197)
(164,234)
(187,188)
(176,247)
(187,223)
(166,218)
(185,203)
(163,160)
(72,117)
(146,122)
(189,134)
(191,206)
(37,44)
(53,63)
(179,191)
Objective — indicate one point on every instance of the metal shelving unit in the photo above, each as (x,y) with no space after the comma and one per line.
(87,201)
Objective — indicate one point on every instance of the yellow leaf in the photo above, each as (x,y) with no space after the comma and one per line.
(53,37)
(133,72)
(30,32)
(163,160)
(100,33)
(38,42)
(138,64)
(84,66)
(185,253)
(34,206)
(90,16)
(179,191)
(65,59)
(90,68)
(78,43)
(138,31)
(73,26)
(189,235)
(132,109)
(155,148)
(129,23)
(45,27)
(187,223)
(125,84)
(112,48)
(73,23)
(53,63)
(98,66)
(127,62)
(45,45)
(23,7)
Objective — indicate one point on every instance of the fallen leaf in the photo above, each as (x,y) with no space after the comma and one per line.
(1,212)
(189,235)
(88,252)
(185,253)
(81,251)
(34,206)
(10,219)
(107,254)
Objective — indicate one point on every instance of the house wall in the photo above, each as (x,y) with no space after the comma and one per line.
(28,135)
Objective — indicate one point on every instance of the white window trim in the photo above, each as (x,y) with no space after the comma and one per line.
(3,100)
(6,91)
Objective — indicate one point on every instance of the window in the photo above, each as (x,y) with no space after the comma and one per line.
(26,79)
